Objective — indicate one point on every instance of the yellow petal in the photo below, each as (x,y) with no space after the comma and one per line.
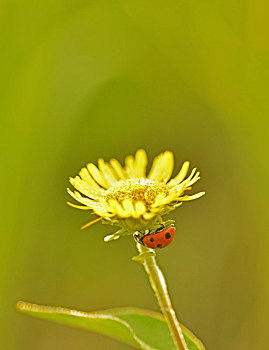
(129,208)
(156,209)
(181,175)
(180,188)
(84,188)
(155,165)
(85,176)
(194,179)
(170,198)
(190,198)
(159,200)
(140,163)
(102,212)
(90,203)
(169,165)
(148,216)
(140,208)
(129,166)
(162,167)
(104,204)
(78,206)
(191,175)
(97,175)
(118,209)
(118,169)
(78,197)
(106,172)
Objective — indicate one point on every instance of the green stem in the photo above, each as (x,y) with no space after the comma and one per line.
(159,287)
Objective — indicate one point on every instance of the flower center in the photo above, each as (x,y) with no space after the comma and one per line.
(138,189)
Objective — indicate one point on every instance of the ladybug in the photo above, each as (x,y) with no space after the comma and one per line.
(158,239)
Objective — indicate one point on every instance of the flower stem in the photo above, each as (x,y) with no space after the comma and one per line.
(159,287)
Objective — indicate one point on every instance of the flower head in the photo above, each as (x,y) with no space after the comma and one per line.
(127,196)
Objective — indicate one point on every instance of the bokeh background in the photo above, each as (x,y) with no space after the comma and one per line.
(87,79)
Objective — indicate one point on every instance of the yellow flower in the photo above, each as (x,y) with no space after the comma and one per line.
(127,196)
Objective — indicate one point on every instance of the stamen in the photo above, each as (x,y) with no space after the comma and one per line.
(137,189)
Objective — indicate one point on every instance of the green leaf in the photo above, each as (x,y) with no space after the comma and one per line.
(137,327)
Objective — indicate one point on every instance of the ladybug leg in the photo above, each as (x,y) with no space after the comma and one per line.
(168,223)
(137,237)
(161,226)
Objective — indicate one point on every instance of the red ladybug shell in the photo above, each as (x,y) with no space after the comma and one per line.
(160,239)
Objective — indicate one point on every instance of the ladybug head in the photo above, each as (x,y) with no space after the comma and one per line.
(139,235)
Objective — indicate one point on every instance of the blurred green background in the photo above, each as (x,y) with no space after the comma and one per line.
(87,79)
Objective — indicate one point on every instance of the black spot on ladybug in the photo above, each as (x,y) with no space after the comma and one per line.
(159,245)
(167,235)
(151,239)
